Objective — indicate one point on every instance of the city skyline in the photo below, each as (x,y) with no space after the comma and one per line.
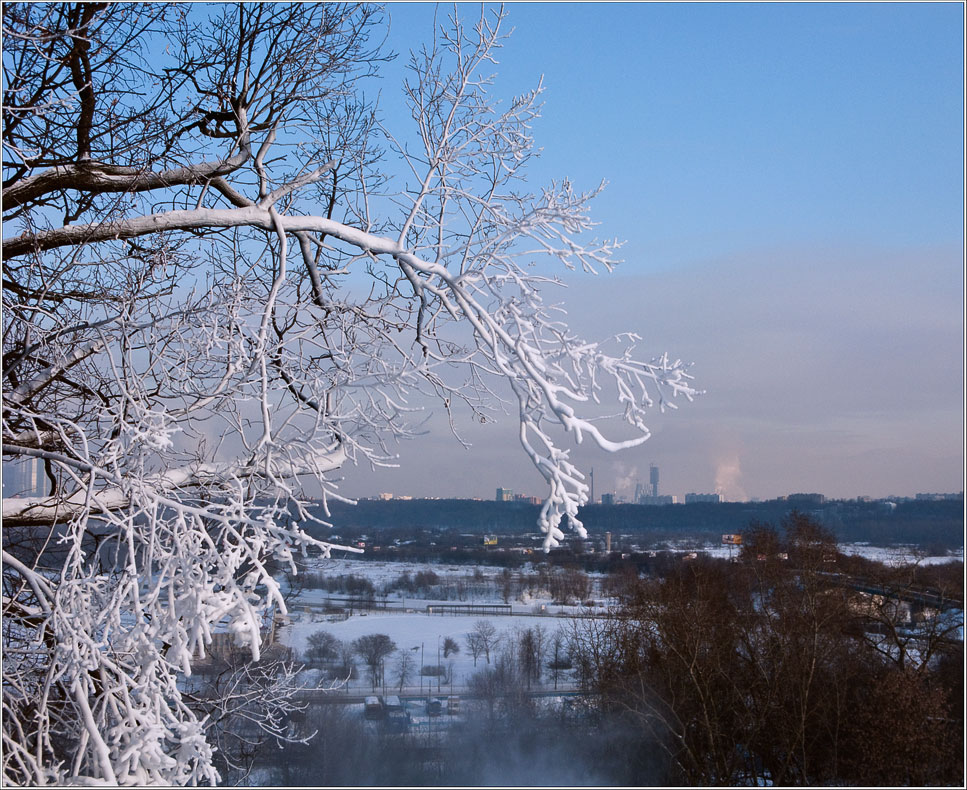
(680,499)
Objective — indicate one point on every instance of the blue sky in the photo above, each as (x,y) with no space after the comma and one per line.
(717,123)
(788,179)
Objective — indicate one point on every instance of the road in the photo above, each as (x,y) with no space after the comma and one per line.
(419,606)
(411,693)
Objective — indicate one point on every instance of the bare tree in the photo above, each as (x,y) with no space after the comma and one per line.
(346,668)
(541,643)
(765,670)
(450,646)
(373,648)
(248,706)
(323,648)
(560,656)
(527,655)
(475,645)
(483,639)
(404,667)
(224,281)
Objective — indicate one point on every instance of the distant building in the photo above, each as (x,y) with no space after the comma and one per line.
(693,498)
(654,498)
(505,495)
(490,540)
(664,499)
(527,500)
(608,499)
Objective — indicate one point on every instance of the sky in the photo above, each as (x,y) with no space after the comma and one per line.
(788,182)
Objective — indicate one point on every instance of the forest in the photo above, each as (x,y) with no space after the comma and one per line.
(916,522)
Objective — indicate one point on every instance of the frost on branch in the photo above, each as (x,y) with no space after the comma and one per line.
(226,282)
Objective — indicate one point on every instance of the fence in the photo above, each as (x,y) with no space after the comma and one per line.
(469,608)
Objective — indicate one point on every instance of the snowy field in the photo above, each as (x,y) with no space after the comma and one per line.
(898,555)
(381,572)
(894,555)
(420,634)
(413,630)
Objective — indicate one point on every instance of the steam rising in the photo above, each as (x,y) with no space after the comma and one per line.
(728,473)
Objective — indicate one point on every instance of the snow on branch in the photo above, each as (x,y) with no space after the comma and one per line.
(226,285)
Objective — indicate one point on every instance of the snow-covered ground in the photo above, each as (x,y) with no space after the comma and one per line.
(422,634)
(898,555)
(381,572)
(894,555)
(412,629)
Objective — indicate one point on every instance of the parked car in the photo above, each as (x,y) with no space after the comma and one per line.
(373,708)
(392,703)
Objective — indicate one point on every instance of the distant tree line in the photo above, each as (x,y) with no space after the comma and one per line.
(939,524)
(565,584)
(348,584)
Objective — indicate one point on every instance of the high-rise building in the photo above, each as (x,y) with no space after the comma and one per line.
(505,495)
(654,480)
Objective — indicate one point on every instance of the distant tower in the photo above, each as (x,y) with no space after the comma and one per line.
(607,542)
(639,491)
(592,486)
(654,480)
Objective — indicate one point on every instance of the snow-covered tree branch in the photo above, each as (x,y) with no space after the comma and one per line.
(225,278)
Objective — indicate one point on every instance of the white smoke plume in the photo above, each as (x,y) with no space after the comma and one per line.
(728,473)
(625,479)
